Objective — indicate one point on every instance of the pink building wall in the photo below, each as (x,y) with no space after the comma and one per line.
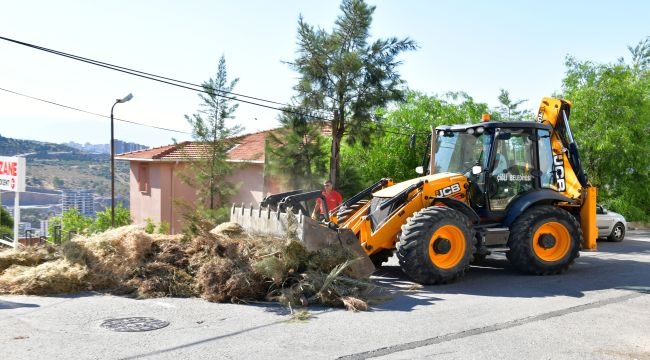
(165,186)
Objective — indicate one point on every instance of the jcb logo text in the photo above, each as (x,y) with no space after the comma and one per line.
(558,166)
(446,191)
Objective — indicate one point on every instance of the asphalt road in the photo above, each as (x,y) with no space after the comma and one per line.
(599,309)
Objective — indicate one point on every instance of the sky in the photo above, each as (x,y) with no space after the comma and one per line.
(478,47)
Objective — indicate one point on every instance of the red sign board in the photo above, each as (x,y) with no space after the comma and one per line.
(12,174)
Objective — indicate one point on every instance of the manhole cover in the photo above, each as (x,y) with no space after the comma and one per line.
(134,324)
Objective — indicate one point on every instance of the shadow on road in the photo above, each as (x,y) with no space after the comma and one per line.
(4,304)
(613,266)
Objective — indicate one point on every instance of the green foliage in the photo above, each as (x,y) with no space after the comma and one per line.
(6,223)
(73,221)
(295,153)
(164,228)
(610,119)
(394,154)
(508,111)
(207,174)
(5,217)
(200,220)
(149,227)
(102,220)
(342,73)
(352,180)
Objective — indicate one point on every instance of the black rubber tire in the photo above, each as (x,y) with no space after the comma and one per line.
(417,240)
(524,233)
(344,213)
(381,257)
(618,233)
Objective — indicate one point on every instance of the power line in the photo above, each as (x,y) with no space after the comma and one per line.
(381,127)
(92,113)
(169,81)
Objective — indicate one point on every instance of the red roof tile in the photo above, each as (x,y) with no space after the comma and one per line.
(248,148)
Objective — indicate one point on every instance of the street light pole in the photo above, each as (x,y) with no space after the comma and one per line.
(118,101)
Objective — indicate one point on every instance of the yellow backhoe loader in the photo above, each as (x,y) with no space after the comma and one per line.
(514,187)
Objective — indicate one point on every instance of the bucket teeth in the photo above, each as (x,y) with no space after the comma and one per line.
(313,234)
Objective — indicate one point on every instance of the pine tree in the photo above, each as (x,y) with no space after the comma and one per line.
(213,138)
(345,77)
(295,153)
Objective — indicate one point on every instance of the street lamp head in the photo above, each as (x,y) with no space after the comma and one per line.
(125,99)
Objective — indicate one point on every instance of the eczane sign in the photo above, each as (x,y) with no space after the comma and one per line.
(12,174)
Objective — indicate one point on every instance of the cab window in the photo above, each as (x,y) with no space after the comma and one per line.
(511,168)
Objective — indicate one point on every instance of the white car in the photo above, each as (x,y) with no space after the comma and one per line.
(611,225)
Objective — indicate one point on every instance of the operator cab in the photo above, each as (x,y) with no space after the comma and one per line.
(502,161)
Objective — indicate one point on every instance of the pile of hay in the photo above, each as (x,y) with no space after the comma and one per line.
(223,265)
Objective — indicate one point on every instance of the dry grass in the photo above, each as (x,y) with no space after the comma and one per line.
(222,265)
(58,276)
(30,256)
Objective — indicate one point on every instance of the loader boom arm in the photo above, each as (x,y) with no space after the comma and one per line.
(569,170)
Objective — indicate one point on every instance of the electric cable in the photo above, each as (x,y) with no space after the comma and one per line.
(92,113)
(173,82)
(167,80)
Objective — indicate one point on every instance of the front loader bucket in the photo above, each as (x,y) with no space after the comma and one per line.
(313,234)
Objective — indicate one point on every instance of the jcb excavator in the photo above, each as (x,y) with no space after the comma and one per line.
(516,187)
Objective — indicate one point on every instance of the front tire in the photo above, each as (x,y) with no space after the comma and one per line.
(436,245)
(544,240)
(618,233)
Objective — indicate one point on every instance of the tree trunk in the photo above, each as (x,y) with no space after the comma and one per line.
(337,136)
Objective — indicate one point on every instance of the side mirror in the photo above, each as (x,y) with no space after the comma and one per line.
(419,170)
(476,169)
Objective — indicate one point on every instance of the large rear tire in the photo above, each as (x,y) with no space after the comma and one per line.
(544,240)
(436,245)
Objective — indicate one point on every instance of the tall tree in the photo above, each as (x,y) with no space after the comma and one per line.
(508,109)
(295,152)
(641,55)
(345,77)
(610,121)
(213,138)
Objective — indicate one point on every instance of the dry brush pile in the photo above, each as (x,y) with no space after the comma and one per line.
(222,265)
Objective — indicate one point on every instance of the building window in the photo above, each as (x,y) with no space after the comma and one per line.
(143,178)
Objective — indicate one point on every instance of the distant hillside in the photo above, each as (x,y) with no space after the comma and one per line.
(120,147)
(57,167)
(12,147)
(70,151)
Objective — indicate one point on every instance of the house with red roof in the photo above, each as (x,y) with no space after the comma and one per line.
(156,187)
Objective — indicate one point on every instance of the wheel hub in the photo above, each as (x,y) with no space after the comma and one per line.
(546,241)
(441,246)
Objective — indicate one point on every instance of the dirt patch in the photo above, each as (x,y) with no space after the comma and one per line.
(223,265)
